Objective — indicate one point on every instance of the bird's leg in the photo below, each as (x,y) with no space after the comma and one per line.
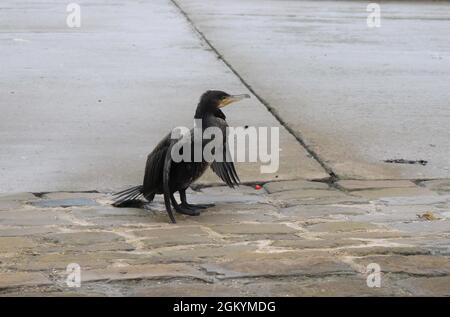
(192,206)
(184,202)
(149,197)
(182,209)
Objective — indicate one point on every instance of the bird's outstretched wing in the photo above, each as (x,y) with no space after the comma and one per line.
(166,179)
(227,172)
(155,164)
(224,169)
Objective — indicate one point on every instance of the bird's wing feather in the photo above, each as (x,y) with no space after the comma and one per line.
(225,169)
(154,166)
(227,172)
(166,178)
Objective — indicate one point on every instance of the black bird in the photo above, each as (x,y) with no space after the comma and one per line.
(165,176)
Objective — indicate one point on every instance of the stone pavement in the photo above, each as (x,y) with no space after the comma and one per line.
(289,238)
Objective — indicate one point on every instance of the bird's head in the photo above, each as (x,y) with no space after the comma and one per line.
(213,100)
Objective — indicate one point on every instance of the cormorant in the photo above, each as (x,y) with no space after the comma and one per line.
(165,176)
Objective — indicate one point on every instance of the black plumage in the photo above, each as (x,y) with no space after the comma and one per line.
(165,176)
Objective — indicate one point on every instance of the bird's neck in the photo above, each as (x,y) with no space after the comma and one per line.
(203,112)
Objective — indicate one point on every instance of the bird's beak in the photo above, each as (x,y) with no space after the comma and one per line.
(230,99)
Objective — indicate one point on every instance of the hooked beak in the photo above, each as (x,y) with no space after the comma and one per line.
(231,99)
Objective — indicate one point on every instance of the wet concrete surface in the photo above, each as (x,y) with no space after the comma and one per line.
(356,95)
(81,108)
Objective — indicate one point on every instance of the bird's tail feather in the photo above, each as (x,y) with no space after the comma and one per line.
(124,197)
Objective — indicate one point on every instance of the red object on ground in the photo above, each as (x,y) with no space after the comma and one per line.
(257,187)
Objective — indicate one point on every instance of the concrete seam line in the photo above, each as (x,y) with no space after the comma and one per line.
(295,134)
